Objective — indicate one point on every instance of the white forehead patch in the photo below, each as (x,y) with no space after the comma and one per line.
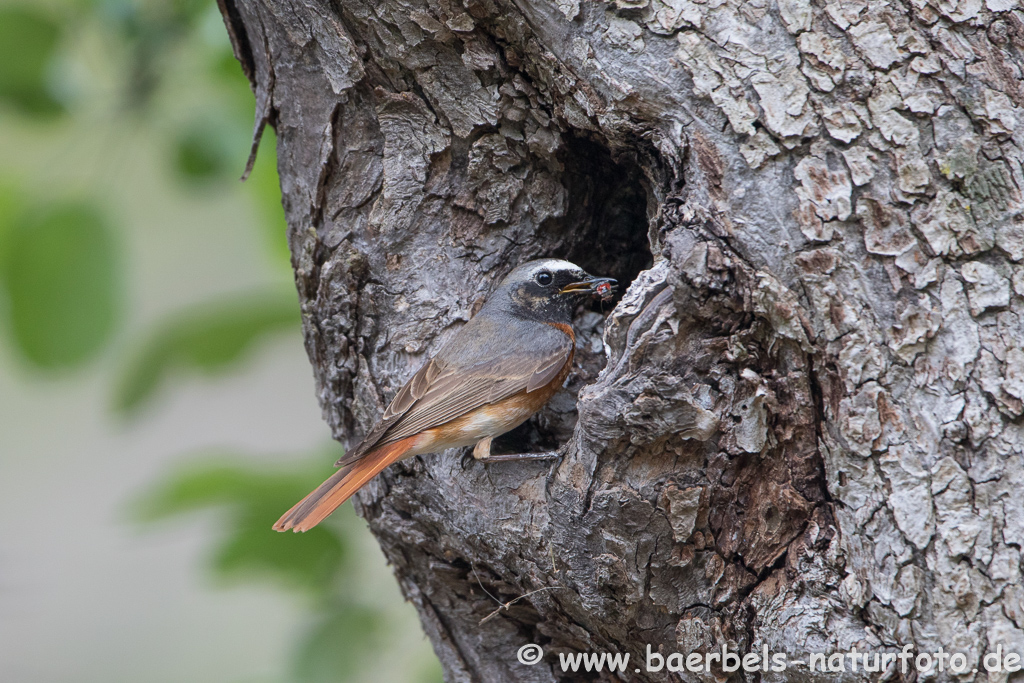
(529,270)
(553,265)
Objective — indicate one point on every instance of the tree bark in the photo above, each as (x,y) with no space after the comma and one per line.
(800,427)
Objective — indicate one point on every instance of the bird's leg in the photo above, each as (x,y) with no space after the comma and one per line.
(482,449)
(482,452)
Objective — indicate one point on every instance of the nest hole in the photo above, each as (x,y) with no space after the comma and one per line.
(604,231)
(606,226)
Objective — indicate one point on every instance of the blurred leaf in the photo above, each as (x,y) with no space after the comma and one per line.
(231,80)
(150,30)
(188,12)
(199,155)
(215,482)
(431,672)
(337,647)
(11,207)
(209,338)
(265,186)
(309,560)
(29,38)
(62,277)
(255,496)
(263,183)
(211,148)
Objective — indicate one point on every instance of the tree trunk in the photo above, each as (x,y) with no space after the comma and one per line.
(799,429)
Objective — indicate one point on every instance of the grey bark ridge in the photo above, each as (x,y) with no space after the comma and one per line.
(801,426)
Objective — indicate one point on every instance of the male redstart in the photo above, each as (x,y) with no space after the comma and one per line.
(499,369)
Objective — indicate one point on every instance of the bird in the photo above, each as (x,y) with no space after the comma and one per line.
(496,371)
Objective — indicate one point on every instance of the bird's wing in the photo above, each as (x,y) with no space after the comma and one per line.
(440,392)
(412,391)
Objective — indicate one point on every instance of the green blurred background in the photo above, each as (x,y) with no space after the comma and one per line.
(157,411)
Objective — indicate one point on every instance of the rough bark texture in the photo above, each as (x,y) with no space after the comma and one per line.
(800,427)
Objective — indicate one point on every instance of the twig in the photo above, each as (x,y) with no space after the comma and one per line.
(512,602)
(505,605)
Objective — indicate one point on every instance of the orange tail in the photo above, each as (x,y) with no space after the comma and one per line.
(326,498)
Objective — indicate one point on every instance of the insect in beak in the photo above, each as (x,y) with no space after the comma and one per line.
(603,287)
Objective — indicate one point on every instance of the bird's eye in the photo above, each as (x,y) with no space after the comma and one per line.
(543,278)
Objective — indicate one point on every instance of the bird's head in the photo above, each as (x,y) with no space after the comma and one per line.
(550,289)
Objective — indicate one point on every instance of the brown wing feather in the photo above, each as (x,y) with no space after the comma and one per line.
(411,392)
(460,392)
(436,395)
(545,374)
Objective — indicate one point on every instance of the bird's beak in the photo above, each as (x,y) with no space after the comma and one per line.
(602,286)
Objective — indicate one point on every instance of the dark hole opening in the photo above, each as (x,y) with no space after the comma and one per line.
(604,231)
